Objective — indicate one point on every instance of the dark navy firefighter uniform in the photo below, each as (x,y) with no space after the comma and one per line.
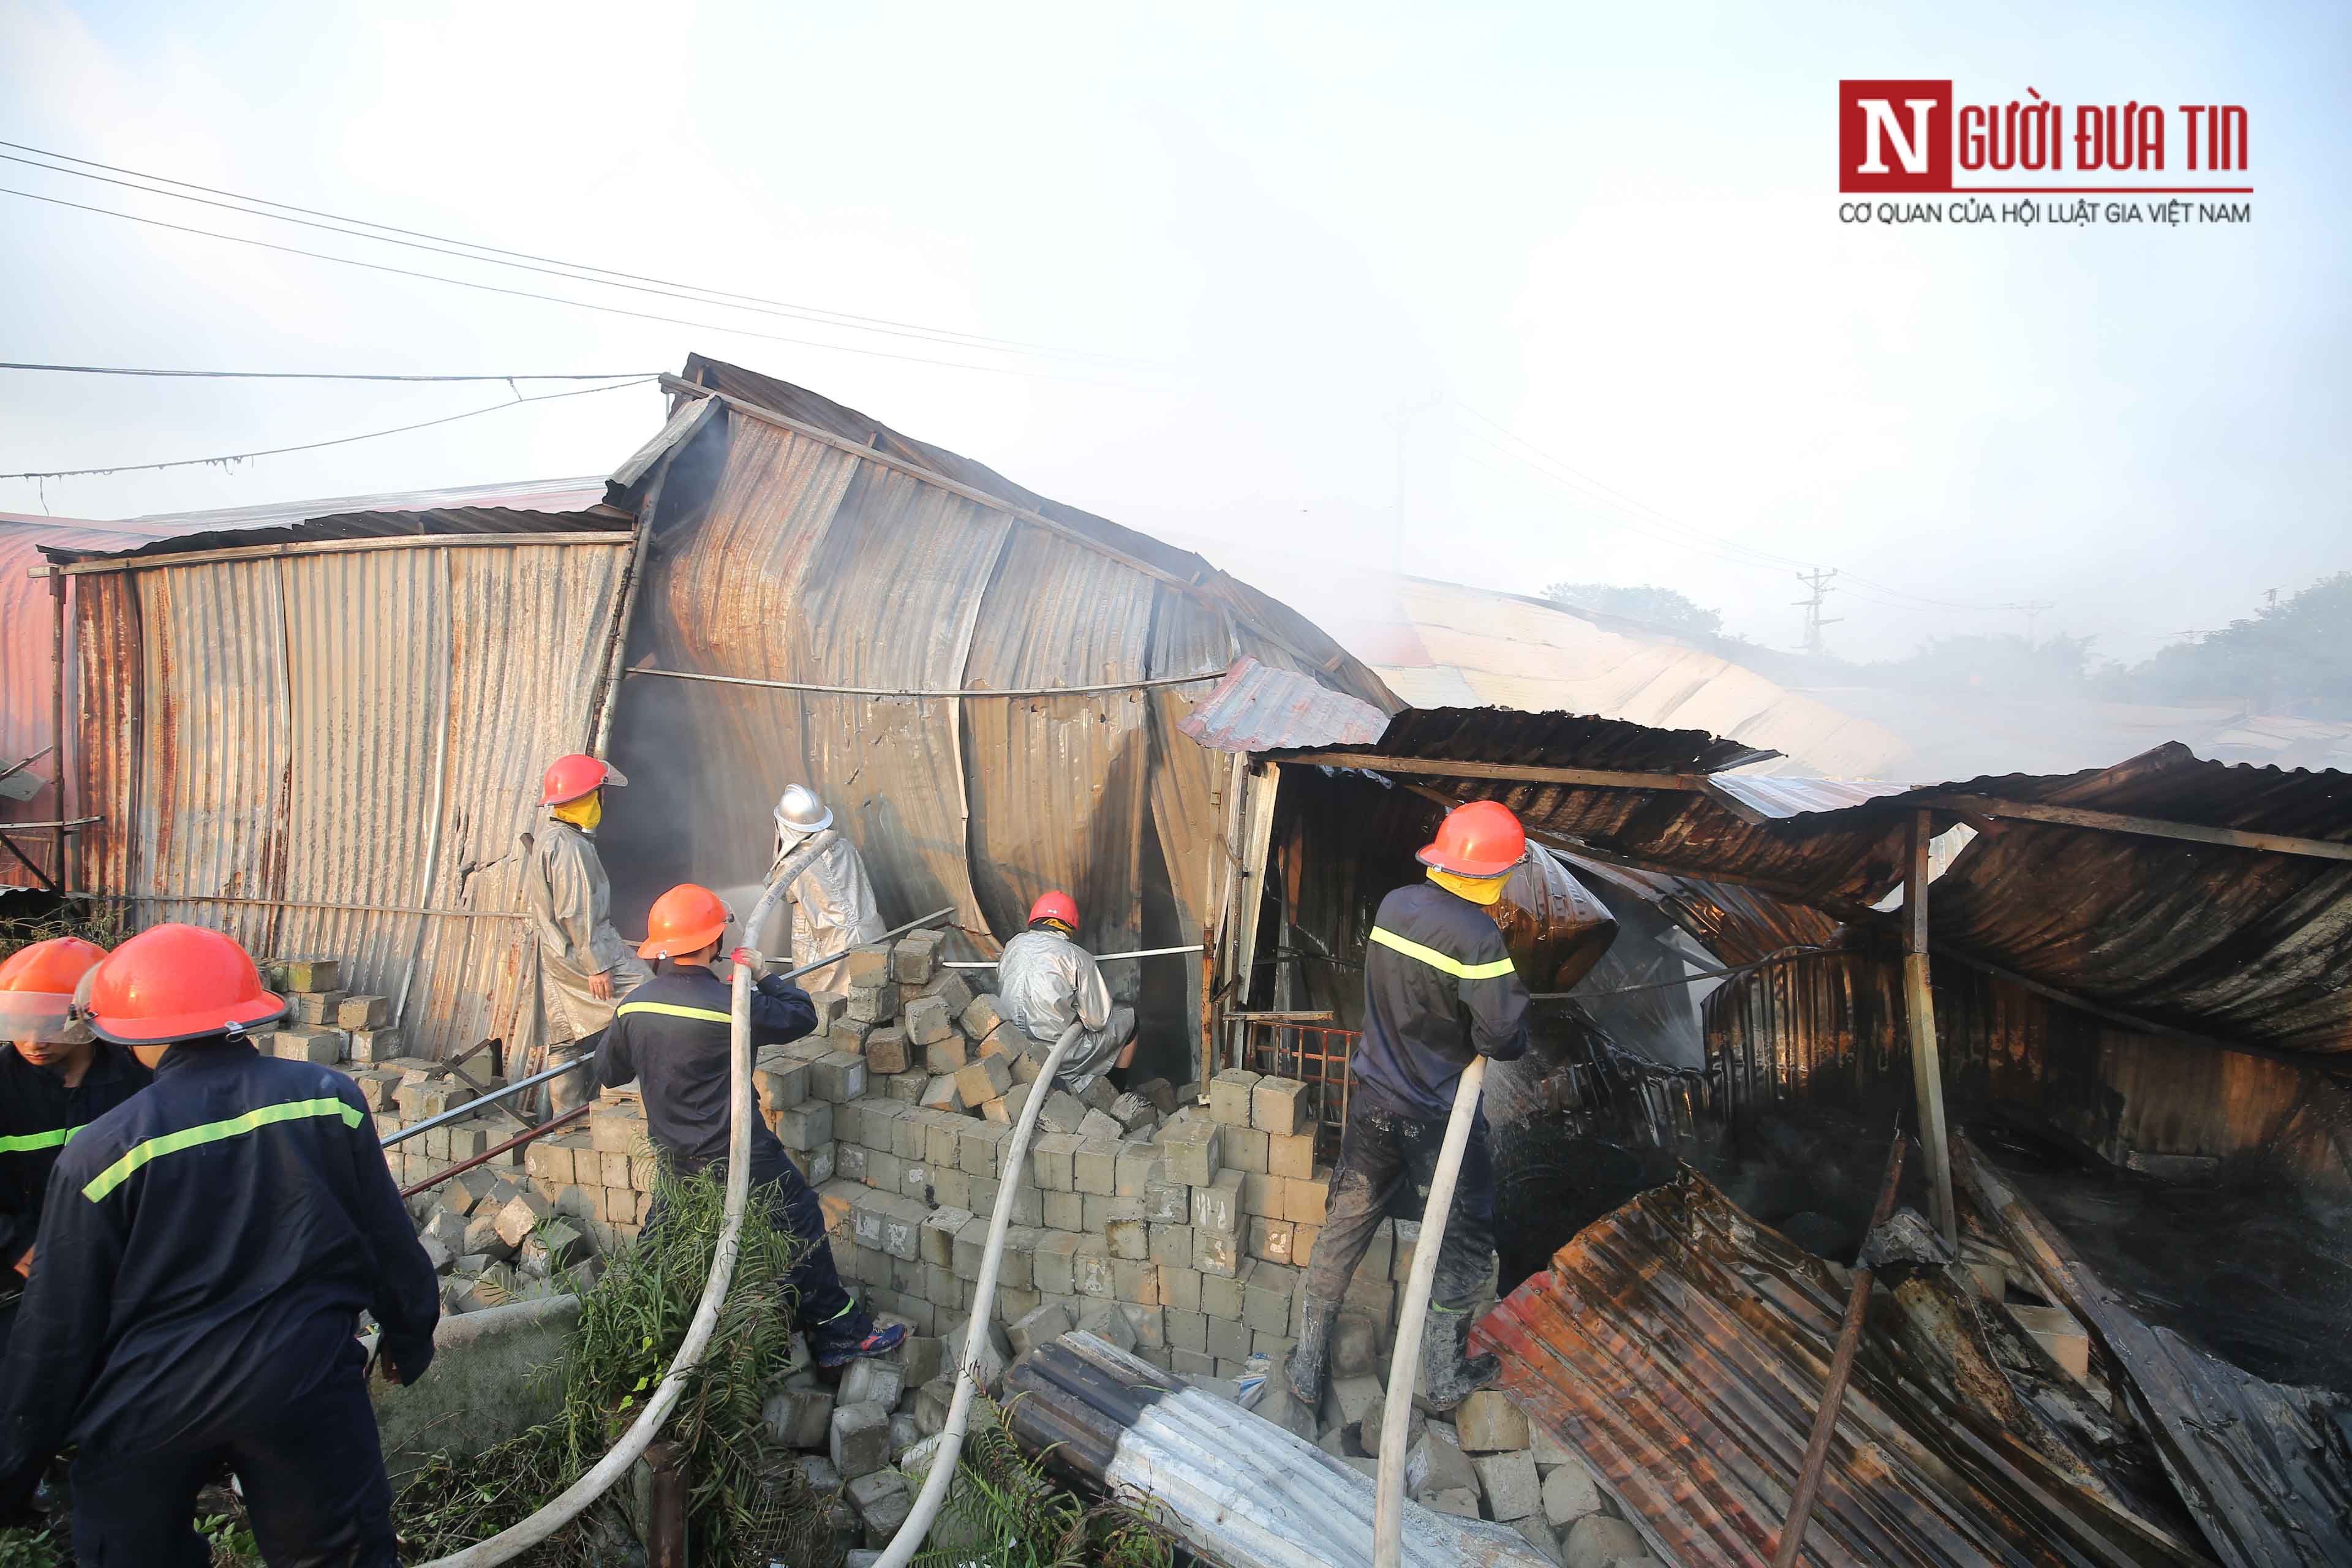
(38,1114)
(1439,990)
(206,1248)
(672,1033)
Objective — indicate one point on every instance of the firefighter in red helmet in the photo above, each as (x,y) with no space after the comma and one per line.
(208,1248)
(1047,981)
(1439,991)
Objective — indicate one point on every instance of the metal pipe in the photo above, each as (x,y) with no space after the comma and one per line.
(759,911)
(58,878)
(486,1155)
(918,1523)
(1817,1451)
(517,1538)
(1099,958)
(1919,1011)
(1388,1510)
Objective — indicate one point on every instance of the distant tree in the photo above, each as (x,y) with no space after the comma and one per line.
(1989,664)
(2295,656)
(1653,606)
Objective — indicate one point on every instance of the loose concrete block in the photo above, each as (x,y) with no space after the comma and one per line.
(1064,1211)
(1095,1166)
(1355,1345)
(987,1363)
(927,1021)
(1151,1325)
(902,1221)
(948,1055)
(1217,1207)
(520,1217)
(846,1034)
(949,986)
(1228,1340)
(889,1051)
(1278,1105)
(1509,1480)
(1598,1541)
(1305,1202)
(617,1129)
(1460,1501)
(1268,1290)
(1125,1231)
(915,959)
(954,1189)
(1105,1321)
(1132,1111)
(1352,1398)
(1167,1203)
(781,1086)
(979,1148)
(1245,1149)
(986,1079)
(871,1005)
(1099,1127)
(314,973)
(1261,1195)
(1170,1246)
(1569,1493)
(1373,1419)
(1054,1263)
(1440,1462)
(837,1075)
(860,1439)
(939,1094)
(325,1048)
(1229,1096)
(1290,1157)
(1541,1539)
(932,1402)
(1090,1266)
(1036,1327)
(938,1233)
(1179,1289)
(1062,1112)
(871,1381)
(1192,1152)
(1488,1423)
(867,966)
(362,1012)
(982,1015)
(375,1045)
(1270,1239)
(317,1006)
(800,1418)
(806,1125)
(1216,1252)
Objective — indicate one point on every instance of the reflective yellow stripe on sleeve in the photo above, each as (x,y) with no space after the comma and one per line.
(122,1170)
(1437,960)
(26,1143)
(672,1010)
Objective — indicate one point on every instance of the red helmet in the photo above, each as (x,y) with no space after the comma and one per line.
(569,778)
(1480,839)
(174,983)
(36,987)
(687,919)
(1057,906)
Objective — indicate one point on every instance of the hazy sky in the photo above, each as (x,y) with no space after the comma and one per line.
(1318,249)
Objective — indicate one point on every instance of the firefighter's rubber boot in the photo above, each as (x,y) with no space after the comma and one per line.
(1447,1376)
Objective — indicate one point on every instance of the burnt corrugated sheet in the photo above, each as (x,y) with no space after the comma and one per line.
(781,555)
(359,728)
(28,628)
(1255,708)
(1681,1349)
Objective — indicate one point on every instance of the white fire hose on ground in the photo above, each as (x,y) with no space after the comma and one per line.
(517,1538)
(1388,1513)
(941,1475)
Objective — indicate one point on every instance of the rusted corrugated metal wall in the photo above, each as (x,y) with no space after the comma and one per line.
(781,555)
(356,727)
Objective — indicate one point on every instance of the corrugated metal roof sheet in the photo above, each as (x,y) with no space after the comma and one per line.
(800,542)
(1784,795)
(359,729)
(518,495)
(1682,1348)
(1255,708)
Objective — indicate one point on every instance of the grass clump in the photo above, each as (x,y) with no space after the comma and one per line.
(1003,1511)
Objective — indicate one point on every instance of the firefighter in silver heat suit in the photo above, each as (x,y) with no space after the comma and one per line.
(1047,982)
(830,905)
(584,963)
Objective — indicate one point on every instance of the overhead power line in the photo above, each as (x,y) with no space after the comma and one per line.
(550,298)
(314,446)
(583,271)
(320,374)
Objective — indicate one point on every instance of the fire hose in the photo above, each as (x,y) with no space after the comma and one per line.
(1388,1513)
(517,1538)
(941,1475)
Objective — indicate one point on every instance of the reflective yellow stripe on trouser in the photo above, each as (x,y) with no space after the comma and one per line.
(26,1143)
(671,1010)
(1437,960)
(122,1170)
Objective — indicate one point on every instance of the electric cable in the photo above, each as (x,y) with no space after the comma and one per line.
(845,318)
(551,299)
(314,446)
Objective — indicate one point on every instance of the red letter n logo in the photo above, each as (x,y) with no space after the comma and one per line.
(1895,136)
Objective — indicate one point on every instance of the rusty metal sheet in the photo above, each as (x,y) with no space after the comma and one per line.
(1681,1349)
(1258,708)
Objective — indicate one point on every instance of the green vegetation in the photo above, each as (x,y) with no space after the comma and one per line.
(92,922)
(1002,1512)
(1662,608)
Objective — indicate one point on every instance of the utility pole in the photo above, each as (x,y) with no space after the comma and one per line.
(2033,609)
(1818,580)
